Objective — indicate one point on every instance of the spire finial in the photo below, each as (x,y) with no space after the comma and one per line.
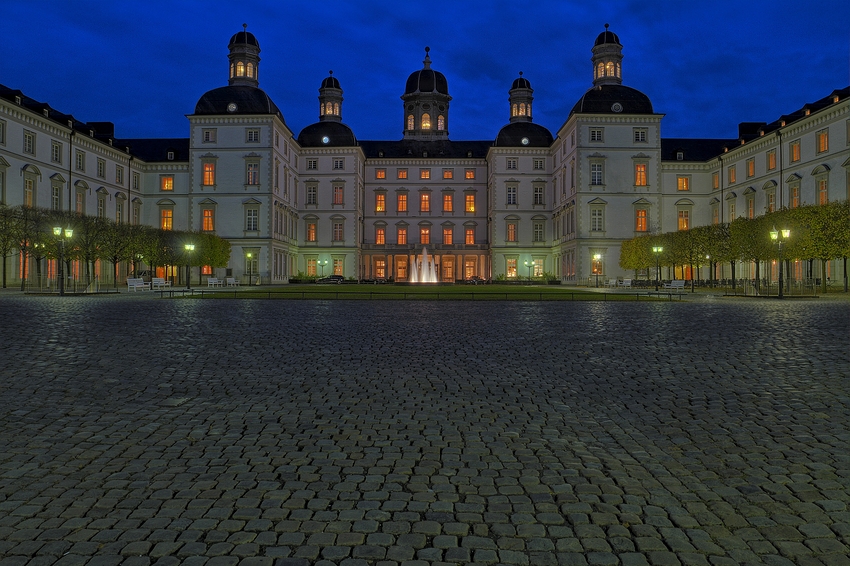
(520,73)
(244,27)
(331,72)
(427,61)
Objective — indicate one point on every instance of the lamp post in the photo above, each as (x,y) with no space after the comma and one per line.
(780,236)
(189,249)
(322,264)
(62,235)
(249,255)
(657,251)
(597,265)
(710,274)
(529,265)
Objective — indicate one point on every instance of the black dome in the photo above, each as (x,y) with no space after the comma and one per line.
(244,37)
(248,100)
(427,80)
(513,134)
(613,99)
(330,82)
(607,37)
(337,134)
(521,83)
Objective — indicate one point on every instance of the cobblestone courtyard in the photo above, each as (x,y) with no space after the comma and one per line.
(135,431)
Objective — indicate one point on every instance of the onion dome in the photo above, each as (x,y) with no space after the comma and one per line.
(524,134)
(427,79)
(327,134)
(612,99)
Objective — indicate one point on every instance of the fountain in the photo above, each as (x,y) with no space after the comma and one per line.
(424,271)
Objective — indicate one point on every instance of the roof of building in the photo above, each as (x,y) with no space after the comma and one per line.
(156,149)
(607,37)
(248,100)
(411,149)
(521,82)
(523,134)
(694,149)
(427,79)
(245,37)
(331,82)
(327,134)
(612,99)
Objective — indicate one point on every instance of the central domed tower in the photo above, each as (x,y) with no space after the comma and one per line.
(244,59)
(607,59)
(426,104)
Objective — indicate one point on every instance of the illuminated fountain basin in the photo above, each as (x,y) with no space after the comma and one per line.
(424,271)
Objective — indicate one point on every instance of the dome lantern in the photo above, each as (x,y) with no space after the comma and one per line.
(607,59)
(244,59)
(519,98)
(330,100)
(426,104)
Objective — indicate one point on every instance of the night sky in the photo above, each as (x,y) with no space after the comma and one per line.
(707,65)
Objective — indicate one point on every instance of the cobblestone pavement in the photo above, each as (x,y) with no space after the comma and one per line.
(136,430)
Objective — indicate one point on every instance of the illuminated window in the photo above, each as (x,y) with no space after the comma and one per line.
(794,191)
(441,123)
(29,193)
(470,236)
(56,152)
(380,268)
(733,176)
(511,163)
(640,174)
(240,69)
(425,202)
(683,183)
(166,218)
(715,215)
(771,201)
(380,173)
(29,142)
(511,267)
(823,186)
(426,121)
(252,173)
(609,69)
(312,264)
(401,267)
(424,173)
(424,235)
(640,220)
(338,266)
(470,203)
(410,122)
(447,236)
(715,180)
(751,208)
(338,194)
(751,167)
(822,138)
(339,163)
(795,151)
(596,134)
(380,235)
(511,194)
(639,135)
(312,164)
(596,264)
(166,183)
(771,160)
(511,231)
(597,219)
(596,174)
(380,202)
(401,236)
(731,211)
(311,230)
(448,202)
(539,164)
(337,231)
(312,194)
(208,220)
(80,201)
(209,174)
(684,219)
(401,202)
(401,174)
(469,174)
(448,173)
(252,219)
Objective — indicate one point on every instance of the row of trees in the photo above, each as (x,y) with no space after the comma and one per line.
(818,232)
(28,232)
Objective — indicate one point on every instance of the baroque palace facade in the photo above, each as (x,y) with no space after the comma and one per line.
(323,202)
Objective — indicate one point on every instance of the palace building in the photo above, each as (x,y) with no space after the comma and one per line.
(321,201)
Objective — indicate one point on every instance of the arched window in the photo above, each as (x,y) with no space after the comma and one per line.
(336,108)
(232,70)
(522,109)
(240,69)
(410,122)
(609,69)
(513,109)
(600,70)
(321,109)
(528,110)
(329,108)
(251,70)
(426,121)
(618,70)
(441,122)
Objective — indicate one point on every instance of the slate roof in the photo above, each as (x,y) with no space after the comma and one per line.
(513,134)
(338,134)
(601,99)
(248,100)
(415,149)
(156,149)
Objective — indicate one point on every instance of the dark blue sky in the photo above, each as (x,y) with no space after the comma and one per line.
(707,65)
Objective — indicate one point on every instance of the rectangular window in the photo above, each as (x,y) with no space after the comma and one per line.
(208,220)
(733,176)
(539,164)
(312,194)
(640,135)
(80,203)
(311,231)
(751,208)
(101,168)
(401,236)
(822,138)
(312,264)
(823,193)
(119,212)
(339,163)
(136,181)
(469,173)
(209,174)
(470,203)
(447,236)
(448,173)
(338,266)
(101,207)
(424,235)
(2,132)
(795,196)
(166,183)
(252,173)
(425,202)
(401,202)
(380,235)
(771,202)
(166,218)
(537,231)
(119,175)
(684,219)
(511,163)
(731,211)
(470,236)
(771,160)
(208,135)
(29,193)
(312,164)
(380,202)
(252,218)
(338,194)
(715,180)
(80,160)
(715,215)
(401,174)
(55,201)
(597,220)
(511,195)
(640,220)
(252,135)
(751,167)
(640,174)
(380,173)
(424,173)
(511,267)
(29,142)
(538,195)
(596,134)
(683,183)
(448,202)
(337,231)
(55,152)
(596,177)
(511,232)
(795,151)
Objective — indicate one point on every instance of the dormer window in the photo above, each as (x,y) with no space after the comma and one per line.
(171,156)
(680,156)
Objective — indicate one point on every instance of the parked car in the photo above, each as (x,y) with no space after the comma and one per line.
(332,279)
(475,280)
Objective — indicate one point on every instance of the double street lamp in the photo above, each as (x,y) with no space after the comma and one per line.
(322,264)
(62,235)
(189,249)
(529,265)
(780,236)
(657,251)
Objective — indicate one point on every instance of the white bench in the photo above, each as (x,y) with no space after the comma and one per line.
(214,282)
(625,283)
(675,285)
(136,283)
(611,283)
(232,282)
(159,283)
